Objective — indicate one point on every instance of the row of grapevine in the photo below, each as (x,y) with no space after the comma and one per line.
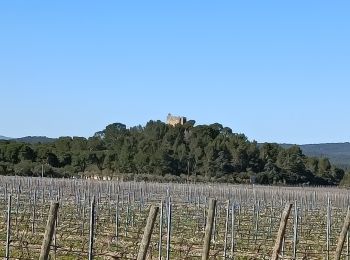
(106,219)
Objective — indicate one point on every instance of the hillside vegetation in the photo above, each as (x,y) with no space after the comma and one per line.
(337,153)
(158,151)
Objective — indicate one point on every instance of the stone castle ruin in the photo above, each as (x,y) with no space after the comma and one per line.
(175,120)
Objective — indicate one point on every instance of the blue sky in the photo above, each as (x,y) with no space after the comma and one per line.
(278,71)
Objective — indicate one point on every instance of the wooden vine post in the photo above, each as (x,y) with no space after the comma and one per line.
(342,236)
(147,233)
(50,227)
(209,229)
(281,231)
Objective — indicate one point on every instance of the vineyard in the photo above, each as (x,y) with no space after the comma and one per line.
(106,219)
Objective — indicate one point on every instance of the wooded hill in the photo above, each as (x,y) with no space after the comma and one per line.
(337,153)
(158,151)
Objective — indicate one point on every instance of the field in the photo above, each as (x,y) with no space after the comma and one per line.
(246,219)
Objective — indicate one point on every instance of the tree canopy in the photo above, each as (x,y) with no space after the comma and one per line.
(157,150)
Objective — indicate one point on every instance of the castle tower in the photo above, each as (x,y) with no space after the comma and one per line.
(175,120)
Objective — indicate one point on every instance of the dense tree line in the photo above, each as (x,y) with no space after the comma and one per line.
(160,151)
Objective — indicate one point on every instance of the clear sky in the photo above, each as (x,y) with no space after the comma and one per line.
(276,71)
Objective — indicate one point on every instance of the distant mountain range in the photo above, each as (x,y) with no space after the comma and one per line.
(337,153)
(30,139)
(4,137)
(35,139)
